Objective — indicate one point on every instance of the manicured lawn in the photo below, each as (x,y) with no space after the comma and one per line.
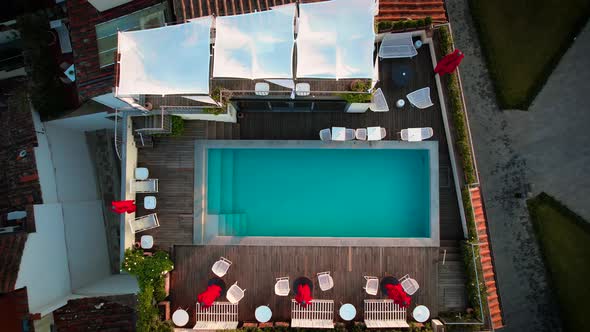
(523,40)
(565,241)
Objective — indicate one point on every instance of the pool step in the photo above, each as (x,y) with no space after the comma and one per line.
(214,182)
(227,181)
(232,224)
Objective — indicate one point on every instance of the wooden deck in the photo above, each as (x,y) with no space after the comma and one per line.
(255,269)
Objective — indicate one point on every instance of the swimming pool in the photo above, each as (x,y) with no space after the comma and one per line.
(305,190)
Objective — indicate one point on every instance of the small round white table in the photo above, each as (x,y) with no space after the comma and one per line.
(263,314)
(147,242)
(418,44)
(180,317)
(400,103)
(141,173)
(347,311)
(421,313)
(149,202)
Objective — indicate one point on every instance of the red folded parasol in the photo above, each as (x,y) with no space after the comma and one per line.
(449,62)
(123,206)
(303,296)
(398,295)
(209,296)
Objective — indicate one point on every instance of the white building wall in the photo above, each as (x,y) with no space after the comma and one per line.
(44,266)
(115,284)
(88,122)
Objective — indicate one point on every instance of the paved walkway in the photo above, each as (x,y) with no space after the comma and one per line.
(554,135)
(527,303)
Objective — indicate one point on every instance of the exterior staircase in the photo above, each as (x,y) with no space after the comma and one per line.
(451,277)
(487,262)
(222,130)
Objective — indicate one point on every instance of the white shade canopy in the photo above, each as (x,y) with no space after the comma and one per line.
(168,60)
(255,45)
(336,39)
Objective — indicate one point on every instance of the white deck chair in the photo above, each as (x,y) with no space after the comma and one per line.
(361,134)
(326,134)
(221,266)
(144,223)
(282,286)
(235,293)
(349,134)
(325,280)
(425,133)
(383,133)
(372,286)
(378,102)
(261,89)
(409,285)
(420,98)
(302,89)
(144,186)
(397,45)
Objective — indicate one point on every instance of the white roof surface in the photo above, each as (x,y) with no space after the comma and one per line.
(336,39)
(255,45)
(168,60)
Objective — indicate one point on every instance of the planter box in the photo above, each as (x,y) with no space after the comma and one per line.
(357,107)
(164,310)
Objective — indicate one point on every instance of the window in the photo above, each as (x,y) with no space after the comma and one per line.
(106,33)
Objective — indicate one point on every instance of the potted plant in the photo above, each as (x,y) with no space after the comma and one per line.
(361,100)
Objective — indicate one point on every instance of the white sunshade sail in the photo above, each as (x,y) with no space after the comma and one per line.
(336,39)
(255,45)
(168,60)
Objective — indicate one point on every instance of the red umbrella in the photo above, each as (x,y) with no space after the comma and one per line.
(123,206)
(449,62)
(398,295)
(303,296)
(209,296)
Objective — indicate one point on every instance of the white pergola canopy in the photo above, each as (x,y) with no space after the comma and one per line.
(168,60)
(255,45)
(336,39)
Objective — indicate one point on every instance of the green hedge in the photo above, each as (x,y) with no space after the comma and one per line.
(457,111)
(404,24)
(354,328)
(150,272)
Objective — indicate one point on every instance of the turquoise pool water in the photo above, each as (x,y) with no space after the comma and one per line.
(319,192)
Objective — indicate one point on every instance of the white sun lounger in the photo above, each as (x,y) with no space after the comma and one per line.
(219,316)
(282,286)
(144,223)
(420,98)
(361,134)
(409,285)
(372,286)
(319,314)
(221,266)
(349,134)
(397,45)
(416,134)
(326,134)
(325,280)
(144,186)
(235,293)
(384,314)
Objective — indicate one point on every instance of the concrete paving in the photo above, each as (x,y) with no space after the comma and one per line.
(527,302)
(554,135)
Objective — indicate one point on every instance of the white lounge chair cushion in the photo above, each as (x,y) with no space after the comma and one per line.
(325,280)
(326,134)
(262,89)
(282,287)
(361,134)
(235,293)
(221,267)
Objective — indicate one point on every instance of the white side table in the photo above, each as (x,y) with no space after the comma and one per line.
(400,103)
(141,173)
(263,314)
(421,313)
(180,317)
(418,44)
(374,133)
(347,311)
(338,133)
(149,202)
(147,242)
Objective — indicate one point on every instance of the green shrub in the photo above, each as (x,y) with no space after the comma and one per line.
(177,126)
(360,86)
(398,25)
(457,112)
(475,283)
(214,110)
(428,21)
(149,271)
(420,23)
(384,25)
(409,24)
(356,97)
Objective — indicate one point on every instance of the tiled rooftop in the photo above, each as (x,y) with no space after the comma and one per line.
(111,313)
(90,78)
(11,247)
